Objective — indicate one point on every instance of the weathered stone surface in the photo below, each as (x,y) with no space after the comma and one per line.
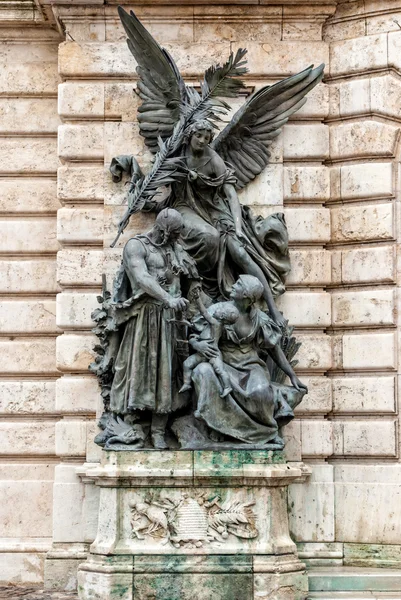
(358,55)
(365,265)
(375,307)
(121,101)
(28,235)
(80,226)
(28,276)
(306,184)
(28,116)
(359,223)
(306,142)
(27,316)
(311,507)
(75,352)
(79,267)
(23,78)
(139,223)
(81,142)
(315,352)
(370,180)
(309,267)
(364,438)
(28,195)
(27,397)
(80,183)
(124,138)
(68,514)
(74,310)
(266,189)
(34,499)
(369,351)
(362,138)
(27,155)
(28,356)
(27,438)
(307,309)
(77,394)
(308,224)
(364,395)
(367,500)
(81,100)
(70,438)
(319,396)
(317,438)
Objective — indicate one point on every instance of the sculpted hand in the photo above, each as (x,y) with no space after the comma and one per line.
(207,349)
(178,304)
(298,385)
(279,319)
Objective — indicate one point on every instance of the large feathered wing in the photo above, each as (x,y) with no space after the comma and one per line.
(245,141)
(160,85)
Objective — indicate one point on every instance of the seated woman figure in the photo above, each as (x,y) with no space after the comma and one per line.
(255,409)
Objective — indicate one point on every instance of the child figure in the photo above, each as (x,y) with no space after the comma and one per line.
(216,316)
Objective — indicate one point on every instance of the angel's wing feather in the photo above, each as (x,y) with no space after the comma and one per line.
(245,141)
(160,86)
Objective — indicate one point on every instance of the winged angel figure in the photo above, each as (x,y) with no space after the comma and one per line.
(204,172)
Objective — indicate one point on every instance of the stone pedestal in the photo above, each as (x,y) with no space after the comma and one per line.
(180,525)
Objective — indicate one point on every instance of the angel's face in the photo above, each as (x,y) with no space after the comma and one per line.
(200,139)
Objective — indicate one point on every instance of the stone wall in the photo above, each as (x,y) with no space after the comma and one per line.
(334,172)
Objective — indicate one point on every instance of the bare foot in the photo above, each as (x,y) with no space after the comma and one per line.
(185,388)
(226,391)
(158,441)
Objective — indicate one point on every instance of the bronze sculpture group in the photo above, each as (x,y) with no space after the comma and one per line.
(191,337)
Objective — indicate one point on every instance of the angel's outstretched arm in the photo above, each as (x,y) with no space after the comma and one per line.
(235,206)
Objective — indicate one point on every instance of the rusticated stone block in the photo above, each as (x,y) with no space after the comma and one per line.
(75,352)
(74,310)
(121,101)
(362,138)
(28,195)
(79,267)
(27,316)
(386,96)
(358,55)
(367,499)
(306,183)
(311,507)
(70,438)
(315,353)
(375,307)
(138,224)
(124,138)
(308,224)
(28,235)
(309,267)
(354,97)
(25,438)
(359,223)
(80,226)
(366,265)
(77,394)
(24,78)
(28,276)
(81,100)
(306,142)
(34,498)
(309,309)
(369,351)
(283,58)
(80,183)
(319,397)
(364,395)
(68,506)
(317,438)
(15,563)
(34,356)
(365,438)
(27,397)
(81,142)
(369,180)
(27,155)
(28,115)
(266,189)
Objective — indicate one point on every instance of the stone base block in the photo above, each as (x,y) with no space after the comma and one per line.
(186,525)
(61,566)
(209,578)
